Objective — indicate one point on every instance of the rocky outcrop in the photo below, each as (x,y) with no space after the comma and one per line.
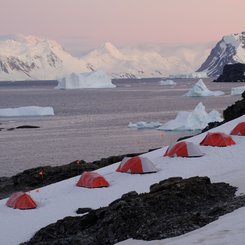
(232,73)
(171,208)
(235,110)
(229,50)
(46,175)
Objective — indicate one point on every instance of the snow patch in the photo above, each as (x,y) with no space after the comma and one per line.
(27,111)
(96,79)
(195,120)
(200,89)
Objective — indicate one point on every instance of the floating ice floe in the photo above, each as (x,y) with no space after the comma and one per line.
(96,79)
(27,111)
(195,120)
(200,89)
(237,90)
(167,82)
(142,124)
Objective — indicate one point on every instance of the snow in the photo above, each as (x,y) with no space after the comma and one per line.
(200,89)
(195,120)
(237,90)
(167,82)
(96,79)
(220,164)
(142,124)
(27,111)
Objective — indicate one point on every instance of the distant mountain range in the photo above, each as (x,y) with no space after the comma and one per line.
(229,50)
(34,58)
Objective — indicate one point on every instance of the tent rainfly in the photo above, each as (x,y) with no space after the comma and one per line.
(136,165)
(217,139)
(239,129)
(92,180)
(21,200)
(183,149)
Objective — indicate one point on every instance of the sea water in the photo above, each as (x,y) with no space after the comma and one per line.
(92,123)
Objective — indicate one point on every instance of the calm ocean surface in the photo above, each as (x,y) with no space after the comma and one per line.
(92,123)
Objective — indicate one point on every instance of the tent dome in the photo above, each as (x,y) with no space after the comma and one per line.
(21,200)
(136,165)
(239,129)
(183,149)
(92,180)
(217,139)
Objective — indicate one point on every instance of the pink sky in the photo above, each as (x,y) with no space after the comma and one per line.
(124,21)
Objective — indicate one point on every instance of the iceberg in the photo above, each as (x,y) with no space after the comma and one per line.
(95,79)
(237,90)
(27,111)
(142,124)
(200,89)
(167,82)
(197,119)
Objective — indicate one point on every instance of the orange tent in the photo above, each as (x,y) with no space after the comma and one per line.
(183,149)
(136,165)
(217,139)
(239,129)
(21,200)
(92,180)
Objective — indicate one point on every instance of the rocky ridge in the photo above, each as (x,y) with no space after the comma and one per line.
(172,207)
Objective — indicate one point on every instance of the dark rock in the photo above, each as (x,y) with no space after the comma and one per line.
(236,110)
(83,210)
(171,208)
(10,129)
(41,176)
(232,73)
(27,126)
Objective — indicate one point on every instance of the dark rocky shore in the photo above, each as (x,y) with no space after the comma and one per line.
(171,208)
(46,175)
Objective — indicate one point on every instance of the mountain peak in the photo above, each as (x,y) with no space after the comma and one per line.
(108,47)
(229,50)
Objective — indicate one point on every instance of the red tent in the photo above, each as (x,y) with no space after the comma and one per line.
(239,129)
(92,180)
(183,149)
(217,139)
(136,165)
(21,200)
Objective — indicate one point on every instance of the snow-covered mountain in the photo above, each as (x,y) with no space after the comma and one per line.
(141,62)
(229,50)
(34,58)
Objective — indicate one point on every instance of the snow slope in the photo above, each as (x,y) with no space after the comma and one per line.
(63,198)
(229,50)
